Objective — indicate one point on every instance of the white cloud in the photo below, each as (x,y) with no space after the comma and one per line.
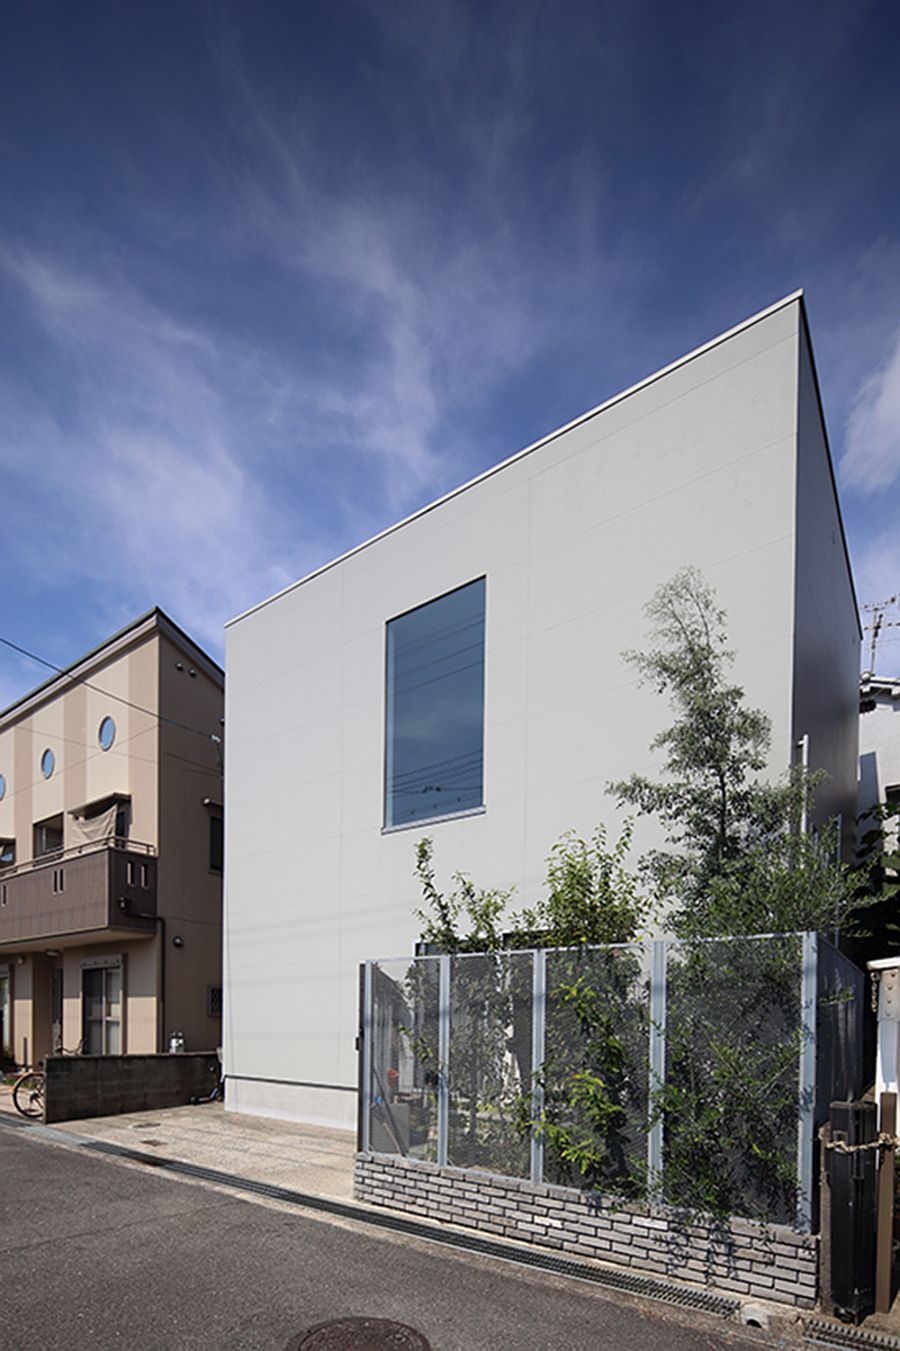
(871,461)
(141,489)
(177,449)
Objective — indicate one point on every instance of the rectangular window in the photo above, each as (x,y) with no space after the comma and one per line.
(7,853)
(102,1010)
(48,836)
(434,713)
(216,844)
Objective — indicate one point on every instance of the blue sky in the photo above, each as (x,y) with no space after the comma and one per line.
(273,275)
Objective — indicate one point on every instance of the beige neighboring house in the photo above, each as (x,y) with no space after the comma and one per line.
(111,851)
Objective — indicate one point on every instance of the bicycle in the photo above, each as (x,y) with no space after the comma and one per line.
(28,1093)
(28,1090)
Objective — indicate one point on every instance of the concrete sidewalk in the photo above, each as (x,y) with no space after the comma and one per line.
(304,1158)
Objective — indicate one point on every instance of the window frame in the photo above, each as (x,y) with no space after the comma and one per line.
(389,827)
(39,830)
(104,967)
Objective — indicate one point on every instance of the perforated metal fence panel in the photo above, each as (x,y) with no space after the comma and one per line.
(687,1074)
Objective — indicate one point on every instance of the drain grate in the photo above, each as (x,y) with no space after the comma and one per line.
(647,1287)
(819,1332)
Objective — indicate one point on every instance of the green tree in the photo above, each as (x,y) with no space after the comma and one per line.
(592,896)
(443,914)
(736,859)
(876,932)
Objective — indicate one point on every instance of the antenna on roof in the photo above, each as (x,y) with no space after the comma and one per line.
(878,611)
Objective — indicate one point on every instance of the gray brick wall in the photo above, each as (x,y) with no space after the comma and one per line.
(740,1257)
(106,1085)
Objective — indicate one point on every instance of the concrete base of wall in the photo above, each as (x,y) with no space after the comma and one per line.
(740,1257)
(307,1104)
(106,1085)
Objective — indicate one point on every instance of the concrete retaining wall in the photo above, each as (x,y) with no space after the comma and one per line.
(739,1257)
(105,1085)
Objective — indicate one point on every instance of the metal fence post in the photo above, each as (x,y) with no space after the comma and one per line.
(366,1068)
(657,1077)
(807,1082)
(443,1121)
(538,1025)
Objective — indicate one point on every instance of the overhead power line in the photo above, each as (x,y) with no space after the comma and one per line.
(107,694)
(878,610)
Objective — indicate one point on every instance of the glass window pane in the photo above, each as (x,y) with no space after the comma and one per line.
(113,992)
(113,1038)
(92,1012)
(216,844)
(93,1038)
(435,708)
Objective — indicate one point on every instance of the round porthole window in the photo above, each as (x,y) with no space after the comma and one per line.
(2,788)
(48,763)
(107,734)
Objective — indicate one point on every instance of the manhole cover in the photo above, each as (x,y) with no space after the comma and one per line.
(360,1334)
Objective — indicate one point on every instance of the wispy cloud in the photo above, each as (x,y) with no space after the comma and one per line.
(140,486)
(871,461)
(348,262)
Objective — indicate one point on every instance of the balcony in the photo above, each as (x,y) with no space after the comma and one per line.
(102,890)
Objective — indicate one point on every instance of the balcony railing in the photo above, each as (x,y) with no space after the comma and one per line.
(57,856)
(95,888)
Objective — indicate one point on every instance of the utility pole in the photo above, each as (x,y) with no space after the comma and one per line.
(878,612)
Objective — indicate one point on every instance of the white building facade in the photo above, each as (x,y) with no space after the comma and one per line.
(879,749)
(460,677)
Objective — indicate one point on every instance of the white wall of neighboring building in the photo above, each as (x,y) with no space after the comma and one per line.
(879,741)
(697,465)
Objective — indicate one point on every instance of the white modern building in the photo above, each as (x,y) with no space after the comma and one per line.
(460,676)
(879,747)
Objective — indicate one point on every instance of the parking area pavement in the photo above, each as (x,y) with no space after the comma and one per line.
(304,1158)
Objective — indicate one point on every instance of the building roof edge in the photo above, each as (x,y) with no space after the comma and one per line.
(793,298)
(152,620)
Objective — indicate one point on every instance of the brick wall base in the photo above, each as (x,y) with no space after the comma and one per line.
(739,1257)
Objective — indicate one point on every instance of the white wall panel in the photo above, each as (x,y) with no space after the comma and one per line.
(696,467)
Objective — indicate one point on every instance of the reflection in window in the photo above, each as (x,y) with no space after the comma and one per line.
(434,752)
(216,844)
(102,1011)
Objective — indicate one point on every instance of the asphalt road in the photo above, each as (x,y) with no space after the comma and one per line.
(96,1253)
